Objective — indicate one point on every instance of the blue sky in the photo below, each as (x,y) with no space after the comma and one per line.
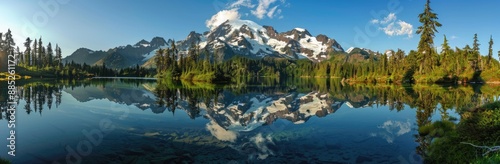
(104,24)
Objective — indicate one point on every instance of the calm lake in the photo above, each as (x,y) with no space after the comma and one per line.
(309,121)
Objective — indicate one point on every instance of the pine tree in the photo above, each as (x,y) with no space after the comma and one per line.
(490,52)
(475,49)
(400,55)
(58,58)
(498,55)
(9,43)
(41,55)
(445,53)
(469,54)
(19,56)
(34,54)
(427,30)
(50,56)
(383,69)
(159,60)
(174,51)
(459,59)
(1,41)
(27,52)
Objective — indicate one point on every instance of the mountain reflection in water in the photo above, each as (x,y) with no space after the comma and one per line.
(269,122)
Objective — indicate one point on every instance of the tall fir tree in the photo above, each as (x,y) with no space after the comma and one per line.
(490,52)
(476,54)
(50,55)
(1,40)
(41,54)
(498,55)
(58,58)
(27,52)
(445,53)
(34,54)
(9,44)
(427,31)
(159,62)
(19,56)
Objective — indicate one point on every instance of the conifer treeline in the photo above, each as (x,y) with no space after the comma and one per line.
(449,65)
(426,64)
(39,60)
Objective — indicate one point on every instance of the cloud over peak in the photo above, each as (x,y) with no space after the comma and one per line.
(221,17)
(261,9)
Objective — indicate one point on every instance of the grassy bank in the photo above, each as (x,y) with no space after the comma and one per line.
(469,140)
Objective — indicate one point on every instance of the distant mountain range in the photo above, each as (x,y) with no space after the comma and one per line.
(118,57)
(231,38)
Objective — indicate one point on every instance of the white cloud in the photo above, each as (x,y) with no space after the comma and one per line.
(399,28)
(390,18)
(270,14)
(221,17)
(262,8)
(244,3)
(232,11)
(393,27)
(262,145)
(392,129)
(453,37)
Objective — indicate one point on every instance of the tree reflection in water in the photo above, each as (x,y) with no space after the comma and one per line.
(263,102)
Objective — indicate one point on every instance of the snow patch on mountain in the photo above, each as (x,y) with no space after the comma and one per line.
(313,44)
(300,29)
(311,108)
(237,24)
(153,53)
(350,49)
(277,45)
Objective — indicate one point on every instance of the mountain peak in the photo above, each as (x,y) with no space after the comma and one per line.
(231,38)
(300,29)
(142,43)
(158,42)
(194,37)
(237,24)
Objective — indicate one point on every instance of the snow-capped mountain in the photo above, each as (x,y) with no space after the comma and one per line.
(236,37)
(356,54)
(358,50)
(247,112)
(247,38)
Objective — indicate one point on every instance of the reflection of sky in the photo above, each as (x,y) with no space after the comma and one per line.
(393,129)
(44,137)
(263,150)
(220,133)
(51,131)
(451,113)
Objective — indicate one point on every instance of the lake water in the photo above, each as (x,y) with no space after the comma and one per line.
(316,121)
